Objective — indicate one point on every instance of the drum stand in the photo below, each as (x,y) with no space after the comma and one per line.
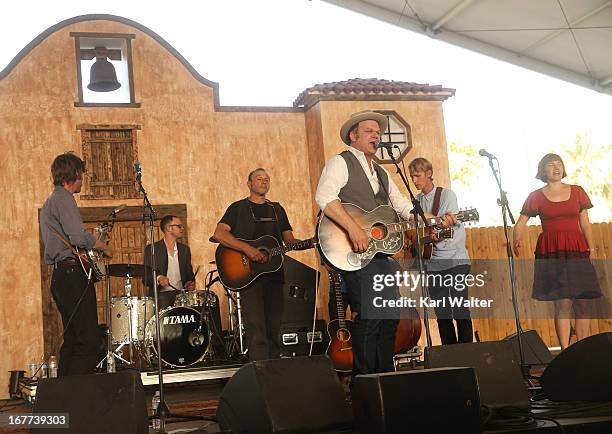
(110,354)
(237,330)
(128,294)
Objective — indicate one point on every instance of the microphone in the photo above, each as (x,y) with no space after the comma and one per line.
(385,145)
(118,209)
(484,153)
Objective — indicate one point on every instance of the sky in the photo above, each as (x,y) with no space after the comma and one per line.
(265,53)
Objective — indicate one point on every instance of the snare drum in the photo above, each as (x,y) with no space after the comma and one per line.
(181,343)
(142,311)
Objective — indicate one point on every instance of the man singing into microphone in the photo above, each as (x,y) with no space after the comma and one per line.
(353,177)
(172,262)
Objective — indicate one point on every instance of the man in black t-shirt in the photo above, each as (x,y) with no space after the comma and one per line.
(262,300)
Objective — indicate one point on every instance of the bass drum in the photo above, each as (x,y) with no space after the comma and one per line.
(181,343)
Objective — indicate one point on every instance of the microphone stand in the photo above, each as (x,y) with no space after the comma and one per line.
(502,201)
(417,211)
(163,412)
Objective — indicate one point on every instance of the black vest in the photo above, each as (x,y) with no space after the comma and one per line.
(358,189)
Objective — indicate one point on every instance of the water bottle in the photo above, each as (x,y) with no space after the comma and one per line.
(155,423)
(52,367)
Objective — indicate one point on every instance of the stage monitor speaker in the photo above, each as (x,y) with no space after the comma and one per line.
(534,349)
(581,372)
(428,401)
(500,380)
(294,395)
(95,403)
(298,292)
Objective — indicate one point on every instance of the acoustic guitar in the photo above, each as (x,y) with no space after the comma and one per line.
(236,270)
(427,240)
(340,348)
(385,231)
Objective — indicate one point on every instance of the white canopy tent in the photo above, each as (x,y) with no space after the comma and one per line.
(567,39)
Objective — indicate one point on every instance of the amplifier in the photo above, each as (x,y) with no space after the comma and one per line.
(295,339)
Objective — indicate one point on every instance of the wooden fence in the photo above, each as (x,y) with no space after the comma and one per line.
(487,248)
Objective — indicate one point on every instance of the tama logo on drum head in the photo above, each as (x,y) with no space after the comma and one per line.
(179,319)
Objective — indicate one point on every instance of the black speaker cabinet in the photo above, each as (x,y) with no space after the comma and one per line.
(581,372)
(534,349)
(429,401)
(95,403)
(298,292)
(500,380)
(294,395)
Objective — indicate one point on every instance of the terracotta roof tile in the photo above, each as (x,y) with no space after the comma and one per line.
(367,88)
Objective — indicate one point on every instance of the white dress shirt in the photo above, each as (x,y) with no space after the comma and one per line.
(335,176)
(174,272)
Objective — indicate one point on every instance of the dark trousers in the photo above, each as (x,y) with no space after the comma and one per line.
(81,350)
(262,312)
(373,330)
(446,314)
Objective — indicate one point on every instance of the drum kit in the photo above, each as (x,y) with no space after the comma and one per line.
(185,332)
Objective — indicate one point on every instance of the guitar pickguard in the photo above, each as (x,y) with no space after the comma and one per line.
(392,244)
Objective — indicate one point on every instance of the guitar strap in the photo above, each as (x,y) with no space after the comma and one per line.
(278,227)
(436,203)
(63,240)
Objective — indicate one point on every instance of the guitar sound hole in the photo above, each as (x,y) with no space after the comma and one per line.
(343,335)
(378,231)
(266,255)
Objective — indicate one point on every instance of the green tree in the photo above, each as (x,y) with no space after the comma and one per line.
(464,163)
(588,166)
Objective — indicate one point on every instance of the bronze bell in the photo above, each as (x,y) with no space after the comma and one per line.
(102,77)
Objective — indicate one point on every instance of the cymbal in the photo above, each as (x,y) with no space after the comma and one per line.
(134,270)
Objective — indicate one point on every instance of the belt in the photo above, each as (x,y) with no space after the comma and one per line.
(65,263)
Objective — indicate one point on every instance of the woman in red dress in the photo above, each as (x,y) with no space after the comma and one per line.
(563,271)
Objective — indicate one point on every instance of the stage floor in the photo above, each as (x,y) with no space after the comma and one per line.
(195,392)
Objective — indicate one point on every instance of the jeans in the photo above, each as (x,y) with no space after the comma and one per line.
(446,314)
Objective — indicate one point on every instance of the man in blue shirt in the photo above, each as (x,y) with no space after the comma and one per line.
(450,262)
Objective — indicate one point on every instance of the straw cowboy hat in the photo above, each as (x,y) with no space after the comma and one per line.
(366,115)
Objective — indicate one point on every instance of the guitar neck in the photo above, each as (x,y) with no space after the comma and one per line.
(300,245)
(433,221)
(335,281)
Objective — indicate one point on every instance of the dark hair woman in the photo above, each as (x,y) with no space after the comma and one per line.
(563,272)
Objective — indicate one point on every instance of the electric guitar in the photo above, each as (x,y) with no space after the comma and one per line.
(385,231)
(237,271)
(340,348)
